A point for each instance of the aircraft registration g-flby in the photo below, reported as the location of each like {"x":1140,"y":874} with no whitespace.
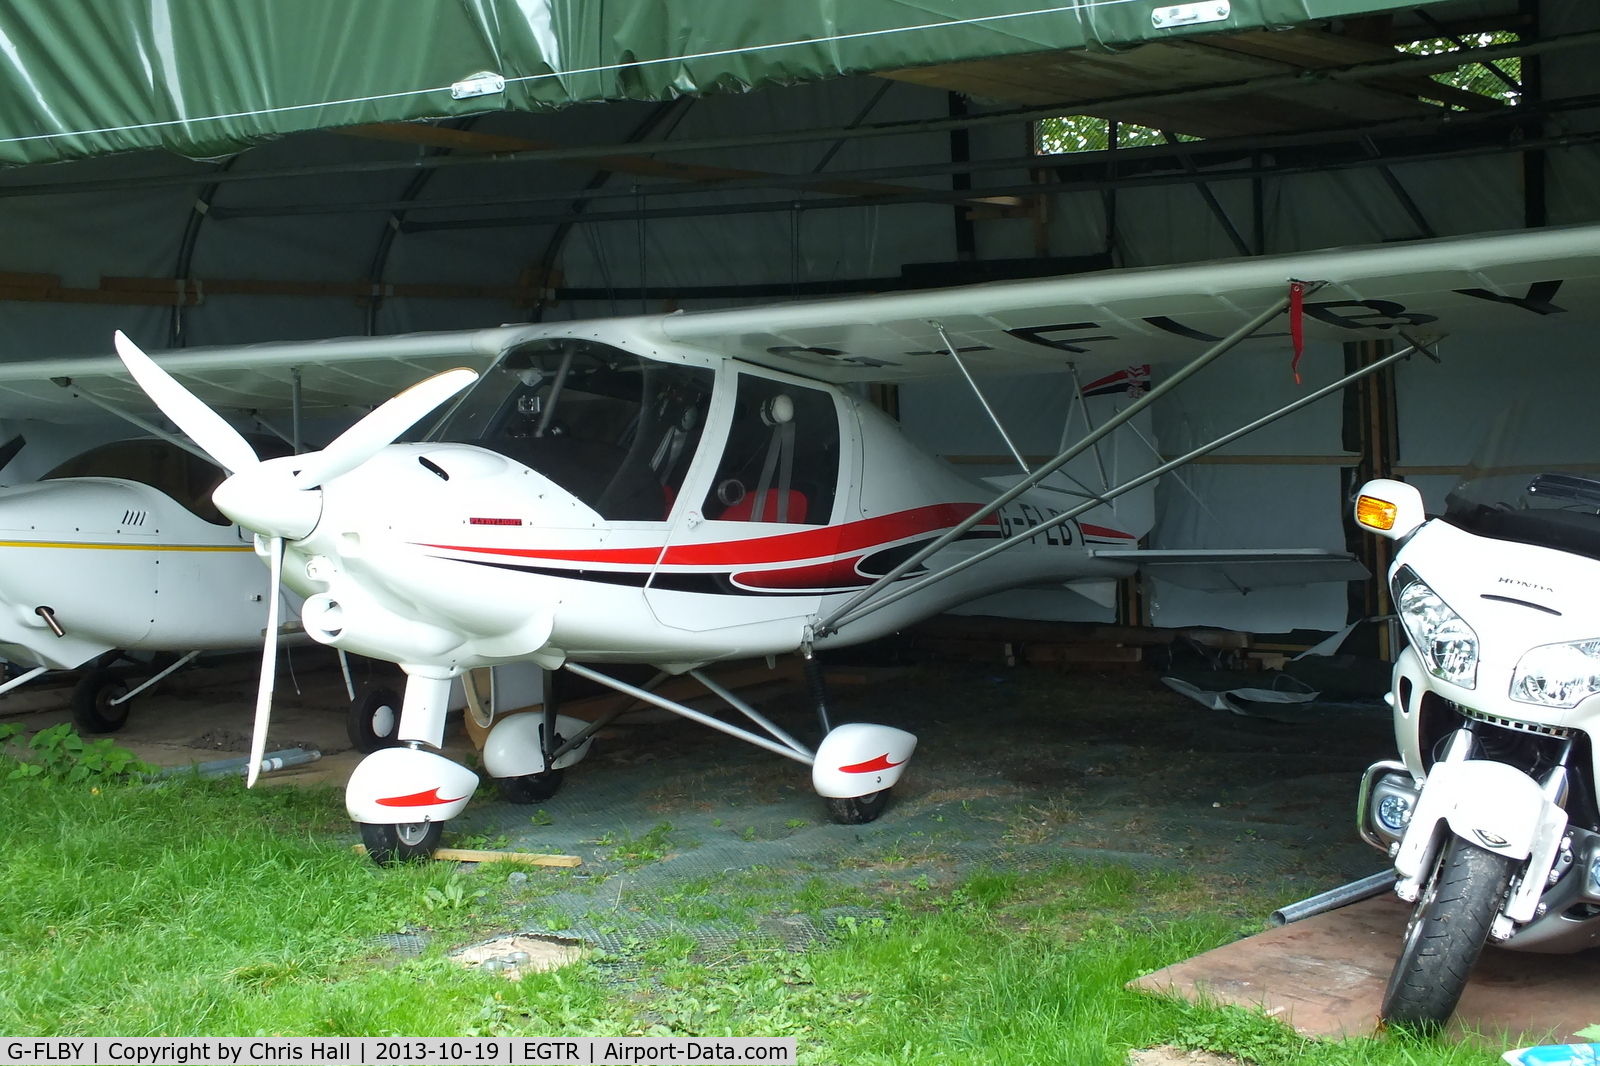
{"x":120,"y":550}
{"x":688,"y":488}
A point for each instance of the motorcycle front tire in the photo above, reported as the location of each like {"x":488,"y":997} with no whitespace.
{"x":1446,"y":935}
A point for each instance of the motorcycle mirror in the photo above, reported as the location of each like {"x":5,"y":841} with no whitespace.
{"x":1389,"y":508}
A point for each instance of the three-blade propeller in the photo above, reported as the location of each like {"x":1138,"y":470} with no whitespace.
{"x":277,"y":499}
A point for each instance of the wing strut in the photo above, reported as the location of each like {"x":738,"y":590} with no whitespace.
{"x":843,"y":618}
{"x":128,"y":416}
{"x":831,"y":623}
{"x":951,"y":348}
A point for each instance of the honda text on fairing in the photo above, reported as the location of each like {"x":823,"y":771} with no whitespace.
{"x":1490,"y":815}
{"x":678,"y":490}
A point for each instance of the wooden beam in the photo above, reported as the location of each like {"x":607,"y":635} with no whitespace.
{"x":190,"y":292}
{"x":422,"y":133}
{"x":478,"y":855}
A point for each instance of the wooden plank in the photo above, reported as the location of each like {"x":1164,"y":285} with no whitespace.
{"x":1031,"y":631}
{"x":533,"y":858}
{"x":474,"y":855}
{"x":1082,"y":653}
{"x":985,"y":651}
{"x":190,"y":292}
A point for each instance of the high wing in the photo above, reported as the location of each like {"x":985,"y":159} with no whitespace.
{"x":346,"y":372}
{"x":1102,"y":322}
{"x":1118,"y":318}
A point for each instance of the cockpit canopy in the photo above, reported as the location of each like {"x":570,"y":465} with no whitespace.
{"x":616,"y":430}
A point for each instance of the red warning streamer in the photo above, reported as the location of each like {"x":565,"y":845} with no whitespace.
{"x":1297,"y":329}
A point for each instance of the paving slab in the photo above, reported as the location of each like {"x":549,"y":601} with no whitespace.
{"x":1326,"y":976}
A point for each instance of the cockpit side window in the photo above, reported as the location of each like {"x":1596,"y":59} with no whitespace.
{"x":163,"y":466}
{"x":781,"y":462}
{"x":616,"y":430}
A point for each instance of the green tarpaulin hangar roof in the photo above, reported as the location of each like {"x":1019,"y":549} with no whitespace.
{"x":204,"y":78}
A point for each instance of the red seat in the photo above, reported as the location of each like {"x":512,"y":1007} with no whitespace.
{"x":741,"y":511}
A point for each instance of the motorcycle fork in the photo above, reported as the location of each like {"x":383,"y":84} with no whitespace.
{"x":1459,"y":749}
{"x":1522,"y":902}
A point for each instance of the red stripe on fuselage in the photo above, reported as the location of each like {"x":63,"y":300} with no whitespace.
{"x":780,"y":548}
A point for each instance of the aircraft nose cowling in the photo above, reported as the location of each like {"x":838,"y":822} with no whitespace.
{"x":264,"y":503}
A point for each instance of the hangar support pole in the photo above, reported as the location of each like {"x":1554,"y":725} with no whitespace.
{"x":961,"y":152}
{"x":1372,"y":429}
{"x":1535,"y":213}
{"x":176,"y":337}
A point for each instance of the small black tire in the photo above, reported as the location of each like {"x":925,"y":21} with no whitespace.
{"x":406,"y":842}
{"x":373,"y":721}
{"x":1445,"y":936}
{"x":530,"y":788}
{"x":92,"y":709}
{"x":858,"y":810}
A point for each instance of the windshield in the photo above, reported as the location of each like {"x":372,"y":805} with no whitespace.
{"x":1535,"y":480}
{"x":616,"y":430}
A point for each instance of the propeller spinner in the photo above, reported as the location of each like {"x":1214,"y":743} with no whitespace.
{"x":281,"y":499}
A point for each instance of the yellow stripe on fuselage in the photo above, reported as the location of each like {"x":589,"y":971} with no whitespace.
{"x":125,"y":547}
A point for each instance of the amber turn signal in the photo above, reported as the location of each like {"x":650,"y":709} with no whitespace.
{"x":1375,"y":513}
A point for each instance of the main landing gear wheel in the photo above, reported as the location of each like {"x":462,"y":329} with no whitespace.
{"x":92,"y":709}
{"x":858,"y":810}
{"x":374,"y":719}
{"x":405,"y":842}
{"x":1446,"y":934}
{"x":530,"y":788}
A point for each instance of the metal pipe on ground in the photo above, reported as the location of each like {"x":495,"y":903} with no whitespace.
{"x":272,"y":760}
{"x":1334,"y":898}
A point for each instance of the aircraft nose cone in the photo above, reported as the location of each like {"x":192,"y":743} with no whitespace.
{"x":263,"y":502}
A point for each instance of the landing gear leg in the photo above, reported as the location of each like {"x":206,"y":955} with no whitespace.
{"x":817,"y":686}
{"x":400,"y":797}
{"x":856,"y":810}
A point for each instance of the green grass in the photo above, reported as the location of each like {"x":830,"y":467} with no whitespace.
{"x":202,"y":909}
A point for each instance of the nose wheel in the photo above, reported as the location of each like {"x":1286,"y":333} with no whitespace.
{"x":401,"y":842}
{"x":373,"y":720}
{"x":858,"y":810}
{"x":92,"y":709}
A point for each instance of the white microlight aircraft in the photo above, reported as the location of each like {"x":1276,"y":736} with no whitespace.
{"x":687,"y":488}
{"x":120,"y":551}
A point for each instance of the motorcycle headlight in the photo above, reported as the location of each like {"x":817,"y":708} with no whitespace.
{"x":1446,"y":643}
{"x":1558,"y":675}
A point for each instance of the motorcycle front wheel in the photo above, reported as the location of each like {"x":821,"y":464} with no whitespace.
{"x":1446,"y":935}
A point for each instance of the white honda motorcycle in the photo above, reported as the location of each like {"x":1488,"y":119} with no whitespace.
{"x":1490,"y":816}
